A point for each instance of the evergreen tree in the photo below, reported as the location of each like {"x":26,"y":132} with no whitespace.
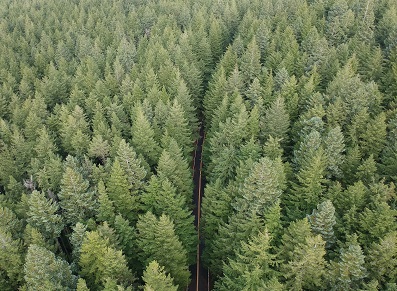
{"x":11,"y":261}
{"x":348,"y":272}
{"x":162,"y":198}
{"x":76,"y":199}
{"x":307,"y":266}
{"x":322,"y":221}
{"x":131,"y":165}
{"x":100,"y":260}
{"x":252,"y":268}
{"x":381,"y":261}
{"x":177,"y":127}
{"x":118,"y":189}
{"x":157,"y":241}
{"x":42,"y":214}
{"x":174,"y":167}
{"x":276,"y":122}
{"x":156,"y":279}
{"x":106,"y":210}
{"x":143,"y":139}
{"x":43,"y":271}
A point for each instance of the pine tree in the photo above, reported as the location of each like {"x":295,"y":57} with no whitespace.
{"x":252,"y":267}
{"x":106,"y":210}
{"x":11,"y":261}
{"x":250,"y":62}
{"x":307,"y":266}
{"x":42,"y":214}
{"x":174,"y":167}
{"x":348,"y":272}
{"x":126,"y":237}
{"x":156,"y":279}
{"x":334,"y":147}
{"x":263,"y":187}
{"x":143,"y":139}
{"x":118,"y":189}
{"x":131,"y":165}
{"x":100,"y":260}
{"x":162,"y":198}
{"x":381,"y":261}
{"x":177,"y":127}
{"x":43,"y":271}
{"x":322,"y":221}
{"x":276,"y":121}
{"x":76,"y":199}
{"x":157,"y":241}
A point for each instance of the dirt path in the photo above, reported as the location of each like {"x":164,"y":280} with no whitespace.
{"x":199,"y":273}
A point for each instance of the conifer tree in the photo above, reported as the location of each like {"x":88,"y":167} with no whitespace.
{"x":131,"y":165}
{"x":100,"y":260}
{"x":76,"y":199}
{"x":157,"y":241}
{"x":174,"y":167}
{"x":348,"y":272}
{"x":307,"y":266}
{"x":106,"y":210}
{"x":381,"y":261}
{"x":118,"y":189}
{"x":43,"y":271}
{"x":162,"y":198}
{"x":276,"y":122}
{"x":177,"y":127}
{"x":156,"y":279}
{"x":143,"y":139}
{"x":322,"y":221}
{"x":42,"y":214}
{"x":252,"y":268}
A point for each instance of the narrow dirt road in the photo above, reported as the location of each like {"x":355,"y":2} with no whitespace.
{"x":199,"y":274}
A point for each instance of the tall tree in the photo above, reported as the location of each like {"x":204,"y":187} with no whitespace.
{"x":118,"y":189}
{"x":43,"y":215}
{"x":157,"y":241}
{"x":75,"y":197}
{"x":155,"y":278}
{"x":43,"y":271}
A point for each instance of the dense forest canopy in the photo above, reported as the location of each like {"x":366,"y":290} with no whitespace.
{"x":100,"y":106}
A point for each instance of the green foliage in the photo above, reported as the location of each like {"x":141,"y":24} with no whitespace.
{"x":347,"y":273}
{"x":118,"y":190}
{"x":44,"y":271}
{"x":252,"y":266}
{"x":157,"y":241}
{"x":76,"y":199}
{"x":156,"y":279}
{"x":100,"y":260}
{"x":42,"y":214}
{"x":322,"y":221}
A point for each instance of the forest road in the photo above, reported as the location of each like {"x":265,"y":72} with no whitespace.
{"x":200,"y":278}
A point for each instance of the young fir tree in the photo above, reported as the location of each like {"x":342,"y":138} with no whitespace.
{"x":118,"y":189}
{"x":143,"y":139}
{"x":100,"y":260}
{"x":253,"y":266}
{"x":173,"y":166}
{"x":43,"y":271}
{"x":322,"y":221}
{"x":131,"y":165}
{"x":349,"y":271}
{"x":381,"y":261}
{"x":76,"y":199}
{"x":43,"y":215}
{"x":160,"y":198}
{"x":156,"y":279}
{"x":306,"y":268}
{"x":157,"y":241}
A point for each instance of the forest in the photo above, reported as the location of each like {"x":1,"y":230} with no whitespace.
{"x":101,"y":103}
